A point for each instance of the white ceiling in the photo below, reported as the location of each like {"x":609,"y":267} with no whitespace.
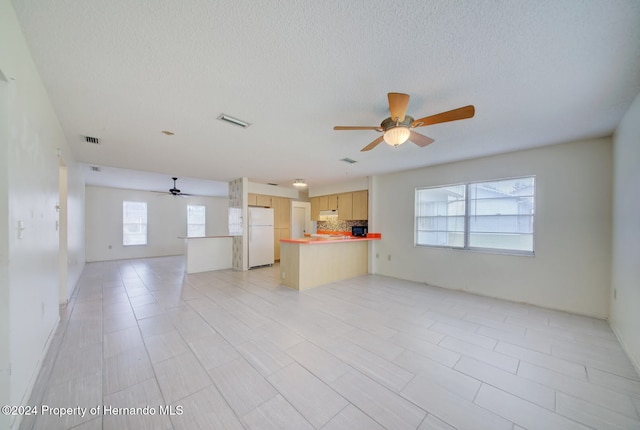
{"x":538,"y":72}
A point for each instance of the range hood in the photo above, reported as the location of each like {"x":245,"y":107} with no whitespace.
{"x":327,"y":215}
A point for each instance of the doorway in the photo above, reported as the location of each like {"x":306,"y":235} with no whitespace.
{"x":300,"y":219}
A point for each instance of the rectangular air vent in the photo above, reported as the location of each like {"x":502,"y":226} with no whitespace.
{"x":234,"y":121}
{"x":93,"y":140}
{"x":348,"y":160}
{"x":95,"y":169}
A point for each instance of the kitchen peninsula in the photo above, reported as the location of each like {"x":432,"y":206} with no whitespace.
{"x":204,"y":254}
{"x":312,"y":261}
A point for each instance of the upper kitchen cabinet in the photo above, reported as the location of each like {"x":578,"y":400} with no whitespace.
{"x":320,"y":203}
{"x":265,"y":201}
{"x":315,"y":208}
{"x":259,"y":200}
{"x":345,"y":206}
{"x":252,"y":199}
{"x":332,"y":202}
{"x":350,"y":206}
{"x":360,"y":205}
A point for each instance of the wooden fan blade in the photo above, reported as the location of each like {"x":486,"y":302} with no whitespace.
{"x":420,"y":139}
{"x":398,"y":103}
{"x":452,"y":115}
{"x":348,"y":127}
{"x":373,"y":144}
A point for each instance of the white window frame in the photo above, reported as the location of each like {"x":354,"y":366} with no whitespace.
{"x":129,"y":224}
{"x":473,"y":218}
{"x":191,"y":224}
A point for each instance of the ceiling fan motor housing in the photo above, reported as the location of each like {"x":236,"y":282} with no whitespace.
{"x":391,"y":123}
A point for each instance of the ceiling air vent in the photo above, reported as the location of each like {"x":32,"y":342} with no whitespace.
{"x":234,"y":121}
{"x":95,"y":169}
{"x":93,"y":140}
{"x":348,"y":160}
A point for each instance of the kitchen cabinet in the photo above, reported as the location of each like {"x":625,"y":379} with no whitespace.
{"x":259,"y":200}
{"x":350,"y":206}
{"x":360,"y":205}
{"x":281,"y":222}
{"x":264,"y":201}
{"x":345,"y":206}
{"x":332,"y":202}
{"x":319,"y":203}
{"x":279,"y":233}
{"x":315,"y":208}
{"x":252,"y":199}
{"x":281,"y":212}
{"x":323,"y":202}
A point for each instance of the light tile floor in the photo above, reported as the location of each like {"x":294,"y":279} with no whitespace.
{"x":234,"y":350}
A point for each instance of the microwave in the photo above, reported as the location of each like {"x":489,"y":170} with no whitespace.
{"x":359,"y":231}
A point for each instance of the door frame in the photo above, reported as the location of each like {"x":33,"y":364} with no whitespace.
{"x":307,"y":215}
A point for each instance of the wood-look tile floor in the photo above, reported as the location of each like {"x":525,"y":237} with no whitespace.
{"x":235,"y":350}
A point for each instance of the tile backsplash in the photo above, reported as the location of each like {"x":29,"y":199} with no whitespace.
{"x":334,"y":224}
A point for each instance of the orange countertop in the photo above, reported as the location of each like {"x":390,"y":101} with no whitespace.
{"x":321,"y":240}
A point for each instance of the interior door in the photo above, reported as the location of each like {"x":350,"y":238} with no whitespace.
{"x":300,"y":219}
{"x":298,"y":225}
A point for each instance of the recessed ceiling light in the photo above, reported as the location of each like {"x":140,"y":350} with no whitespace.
{"x":168,"y":133}
{"x":234,"y":121}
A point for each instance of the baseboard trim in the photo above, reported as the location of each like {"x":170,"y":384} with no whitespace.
{"x":34,"y":375}
{"x":635,"y":361}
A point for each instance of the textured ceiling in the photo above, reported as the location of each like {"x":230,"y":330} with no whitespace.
{"x":538,"y":73}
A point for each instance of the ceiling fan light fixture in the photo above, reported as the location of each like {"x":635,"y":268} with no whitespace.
{"x":299,"y":183}
{"x":397,"y":135}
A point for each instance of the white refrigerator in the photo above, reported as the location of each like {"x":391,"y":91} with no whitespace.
{"x":260,"y":237}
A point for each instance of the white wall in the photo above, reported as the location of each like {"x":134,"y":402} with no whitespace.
{"x":29,"y":194}
{"x":356,"y":184}
{"x":571,"y":267}
{"x":75,"y":227}
{"x":166,"y":221}
{"x":5,"y":353}
{"x":273,"y":190}
{"x":625,"y":315}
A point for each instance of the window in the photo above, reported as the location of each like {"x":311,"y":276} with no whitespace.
{"x":134,"y":223}
{"x":235,"y":222}
{"x":493,"y":215}
{"x":440,"y":214}
{"x":196,"y":220}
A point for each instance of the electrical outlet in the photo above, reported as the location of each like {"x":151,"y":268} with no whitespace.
{"x":389,"y":257}
{"x":284,"y":275}
{"x":615,"y":293}
{"x":377,"y":255}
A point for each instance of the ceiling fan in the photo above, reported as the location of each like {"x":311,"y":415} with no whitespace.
{"x":397,"y":129}
{"x":175,"y":191}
